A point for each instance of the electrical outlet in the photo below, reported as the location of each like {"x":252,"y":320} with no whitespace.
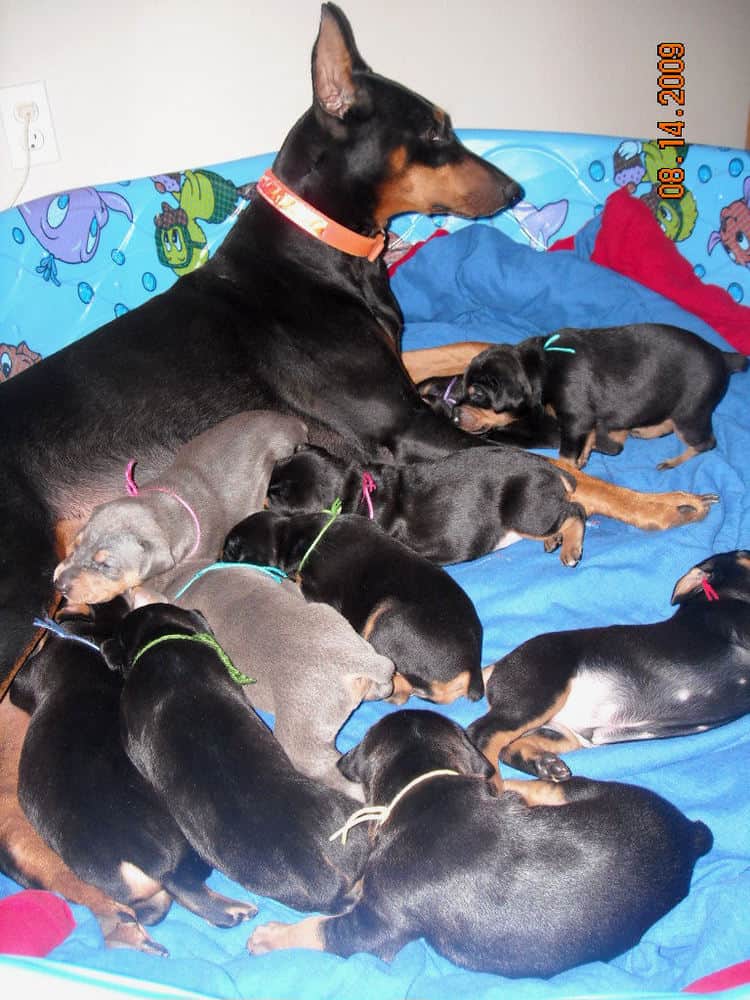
{"x":15,"y":104}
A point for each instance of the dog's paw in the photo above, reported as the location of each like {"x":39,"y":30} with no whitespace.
{"x":553,"y":543}
{"x":268,"y":937}
{"x":695,"y":506}
{"x":551,"y":768}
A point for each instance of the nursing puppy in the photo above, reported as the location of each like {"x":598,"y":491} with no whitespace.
{"x":406,"y":607}
{"x":592,"y":686}
{"x":229,"y":785}
{"x":214,"y":480}
{"x":645,"y":379}
{"x":461,"y":507}
{"x":492,"y":883}
{"x":150,"y":547}
{"x":86,"y":799}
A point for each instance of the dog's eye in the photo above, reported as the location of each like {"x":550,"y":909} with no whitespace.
{"x":477,"y":395}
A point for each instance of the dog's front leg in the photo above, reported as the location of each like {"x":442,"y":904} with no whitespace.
{"x":650,"y":511}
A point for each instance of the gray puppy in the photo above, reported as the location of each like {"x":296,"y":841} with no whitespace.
{"x":311,"y":669}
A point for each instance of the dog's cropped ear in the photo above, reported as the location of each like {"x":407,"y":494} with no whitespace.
{"x":334,"y":60}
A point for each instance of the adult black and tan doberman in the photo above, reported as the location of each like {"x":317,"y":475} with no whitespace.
{"x":293,"y":313}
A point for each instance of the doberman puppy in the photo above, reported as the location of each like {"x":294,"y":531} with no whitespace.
{"x":645,"y":379}
{"x":407,"y":608}
{"x":565,"y":690}
{"x":225,"y":779}
{"x":98,"y":813}
{"x":183,"y":514}
{"x":536,"y":428}
{"x":260,"y":326}
{"x":463,"y":506}
{"x":161,"y":545}
{"x":499,"y":884}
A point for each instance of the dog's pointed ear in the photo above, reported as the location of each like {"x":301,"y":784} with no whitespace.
{"x":334,"y":61}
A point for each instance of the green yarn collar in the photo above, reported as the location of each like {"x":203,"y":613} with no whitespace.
{"x":207,"y":640}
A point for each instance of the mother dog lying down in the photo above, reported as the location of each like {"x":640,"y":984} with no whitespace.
{"x":280,"y":318}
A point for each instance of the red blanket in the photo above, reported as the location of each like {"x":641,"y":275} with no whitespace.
{"x":632,"y":242}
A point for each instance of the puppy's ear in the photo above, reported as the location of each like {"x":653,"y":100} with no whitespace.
{"x":354,"y":765}
{"x":476,"y":761}
{"x":114,"y":654}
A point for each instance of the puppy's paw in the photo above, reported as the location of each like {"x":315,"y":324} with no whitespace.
{"x":307,"y":933}
{"x":551,"y":768}
{"x":553,"y":543}
{"x":268,"y":937}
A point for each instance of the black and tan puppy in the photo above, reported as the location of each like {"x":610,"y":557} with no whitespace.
{"x":529,"y":428}
{"x":625,"y":682}
{"x":499,"y":885}
{"x":188,"y":729}
{"x":645,"y":379}
{"x":408,"y":608}
{"x":461,"y":507}
{"x":83,"y":795}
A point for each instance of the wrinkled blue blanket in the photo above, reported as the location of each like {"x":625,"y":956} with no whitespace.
{"x":479,"y":285}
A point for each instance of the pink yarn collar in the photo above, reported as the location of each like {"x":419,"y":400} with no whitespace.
{"x":134,"y":491}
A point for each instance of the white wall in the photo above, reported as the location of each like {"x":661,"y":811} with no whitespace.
{"x":144,"y":86}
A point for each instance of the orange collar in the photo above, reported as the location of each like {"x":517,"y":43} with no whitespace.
{"x":302,"y":214}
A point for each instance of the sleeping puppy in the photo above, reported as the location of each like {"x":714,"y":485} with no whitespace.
{"x":496,"y":884}
{"x":86,"y":799}
{"x":407,"y":608}
{"x":535,"y":428}
{"x":625,"y":682}
{"x":229,"y":785}
{"x":645,"y":379}
{"x":461,"y":507}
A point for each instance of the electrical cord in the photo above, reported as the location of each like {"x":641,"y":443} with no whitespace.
{"x":28,"y":115}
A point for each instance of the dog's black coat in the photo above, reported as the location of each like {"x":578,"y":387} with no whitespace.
{"x":495,"y":885}
{"x":671,"y":678}
{"x":190,"y":732}
{"x":408,"y":608}
{"x":83,"y":795}
{"x":275,"y":320}
{"x":449,"y":511}
{"x":616,"y":378}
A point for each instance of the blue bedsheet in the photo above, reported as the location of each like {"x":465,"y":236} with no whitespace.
{"x":479,"y":285}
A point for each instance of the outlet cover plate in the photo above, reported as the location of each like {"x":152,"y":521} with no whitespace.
{"x":41,"y":133}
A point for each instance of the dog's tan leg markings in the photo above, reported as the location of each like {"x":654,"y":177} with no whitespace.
{"x":588,"y":447}
{"x":537,"y":793}
{"x":31,"y":860}
{"x":435,"y":362}
{"x":274,"y":936}
{"x":569,"y":539}
{"x":650,"y":511}
{"x":654,"y":431}
{"x":500,"y":740}
{"x":672,"y":463}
